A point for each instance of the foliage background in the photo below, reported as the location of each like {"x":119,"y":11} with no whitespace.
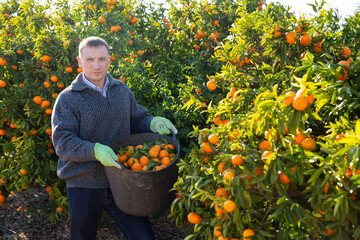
{"x":252,"y":69}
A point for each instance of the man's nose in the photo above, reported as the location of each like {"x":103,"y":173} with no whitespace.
{"x":96,"y":64}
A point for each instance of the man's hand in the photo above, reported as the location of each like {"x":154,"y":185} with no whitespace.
{"x":105,"y":155}
{"x":162,"y":125}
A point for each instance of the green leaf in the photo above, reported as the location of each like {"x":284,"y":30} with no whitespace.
{"x":247,"y":198}
{"x":316,"y":175}
{"x":281,"y":200}
{"x":357,"y":128}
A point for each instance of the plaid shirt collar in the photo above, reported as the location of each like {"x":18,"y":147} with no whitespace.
{"x":96,"y":88}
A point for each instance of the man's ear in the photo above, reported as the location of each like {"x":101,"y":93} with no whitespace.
{"x":79,"y":61}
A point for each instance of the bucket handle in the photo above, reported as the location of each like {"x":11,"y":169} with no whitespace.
{"x":173,"y":134}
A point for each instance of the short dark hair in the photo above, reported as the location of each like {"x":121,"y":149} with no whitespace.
{"x":92,"y":42}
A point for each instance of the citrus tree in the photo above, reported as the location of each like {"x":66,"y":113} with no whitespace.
{"x":37,"y":62}
{"x":279,"y":156}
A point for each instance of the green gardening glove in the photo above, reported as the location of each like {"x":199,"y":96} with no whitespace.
{"x":105,"y":155}
{"x":162,"y":125}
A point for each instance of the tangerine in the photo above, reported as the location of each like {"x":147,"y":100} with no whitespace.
{"x":237,"y":160}
{"x":45,"y":58}
{"x":346,"y":52}
{"x":221,"y":167}
{"x":283,"y":178}
{"x":144,"y":160}
{"x":290,"y":38}
{"x":2,"y":132}
{"x":277,"y":31}
{"x":305,"y":40}
{"x":154,"y":152}
{"x":217,"y":230}
{"x":229,"y":206}
{"x":317,"y":47}
{"x":49,"y":189}
{"x":289,"y":98}
{"x":102,"y":19}
{"x":206,"y":148}
{"x":211,"y":85}
{"x":310,"y":99}
{"x":133,"y":20}
{"x":2,"y":83}
{"x":229,"y":175}
{"x":45,"y":104}
{"x":213,"y":139}
{"x":54,"y":78}
{"x":264,"y":145}
{"x":136,"y":166}
{"x":221,"y":192}
{"x":38,"y":100}
{"x":300,"y":103}
{"x":163,"y":153}
{"x":23,"y":171}
{"x":194,"y":218}
{"x":308,"y":144}
{"x":248,"y":233}
{"x":299,"y":137}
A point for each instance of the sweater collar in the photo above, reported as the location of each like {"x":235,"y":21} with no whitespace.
{"x":79,"y":85}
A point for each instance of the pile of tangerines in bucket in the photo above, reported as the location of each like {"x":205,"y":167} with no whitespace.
{"x":149,"y":156}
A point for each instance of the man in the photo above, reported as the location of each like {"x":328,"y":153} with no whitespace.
{"x":92,"y":112}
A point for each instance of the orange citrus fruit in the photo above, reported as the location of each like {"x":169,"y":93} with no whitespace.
{"x":136,"y":167}
{"x":346,"y":52}
{"x":229,"y":206}
{"x":299,"y":137}
{"x":2,"y":83}
{"x":211,"y":85}
{"x":54,"y":78}
{"x":248,"y":233}
{"x":194,"y":218}
{"x":217,"y":230}
{"x":45,"y":58}
{"x":213,"y":139}
{"x":38,"y":100}
{"x":23,"y":172}
{"x":305,"y":40}
{"x":283,"y":178}
{"x":221,"y":192}
{"x":2,"y":132}
{"x":317,"y":47}
{"x":289,"y":98}
{"x":229,"y":175}
{"x":308,"y":144}
{"x":102,"y":19}
{"x":221,"y":167}
{"x":206,"y":148}
{"x":300,"y":103}
{"x":277,"y":31}
{"x":264,"y":145}
{"x":133,"y":20}
{"x":237,"y":160}
{"x":290,"y":37}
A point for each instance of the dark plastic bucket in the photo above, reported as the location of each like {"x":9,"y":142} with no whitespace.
{"x":143,"y":193}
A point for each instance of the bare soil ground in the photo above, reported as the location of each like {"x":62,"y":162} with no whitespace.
{"x":33,"y":222}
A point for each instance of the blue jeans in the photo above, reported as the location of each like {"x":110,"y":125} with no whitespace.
{"x":86,"y":207}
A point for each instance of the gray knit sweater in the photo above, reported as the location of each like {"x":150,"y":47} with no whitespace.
{"x":81,"y":117}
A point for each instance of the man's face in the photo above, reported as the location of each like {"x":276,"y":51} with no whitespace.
{"x":95,"y":62}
